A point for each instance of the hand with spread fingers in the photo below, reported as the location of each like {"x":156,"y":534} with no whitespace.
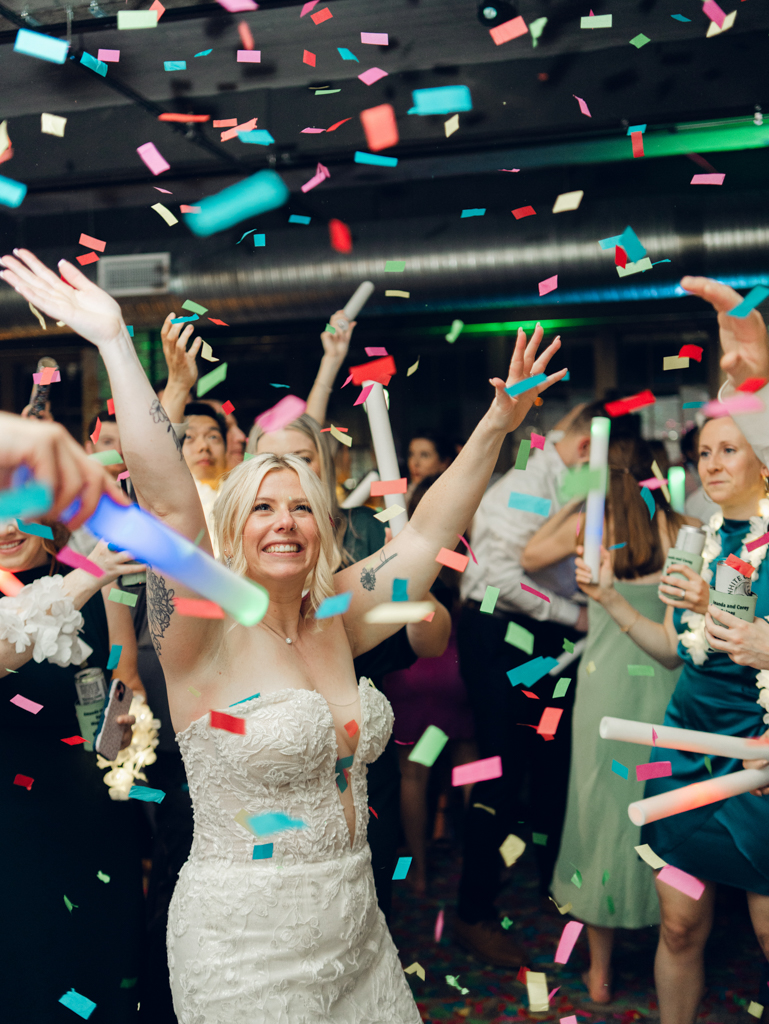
{"x":506,"y":412}
{"x":691,"y":593}
{"x":336,"y":344}
{"x":182,"y":367}
{"x":746,"y":643}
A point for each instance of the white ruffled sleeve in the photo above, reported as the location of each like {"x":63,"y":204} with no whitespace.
{"x":44,"y":615}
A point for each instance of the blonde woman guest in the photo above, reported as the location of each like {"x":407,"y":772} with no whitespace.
{"x":297,"y":935}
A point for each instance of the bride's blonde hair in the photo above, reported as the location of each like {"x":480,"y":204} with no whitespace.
{"x":235,"y":501}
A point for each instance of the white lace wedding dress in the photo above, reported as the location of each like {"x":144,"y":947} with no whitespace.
{"x":298,"y":938}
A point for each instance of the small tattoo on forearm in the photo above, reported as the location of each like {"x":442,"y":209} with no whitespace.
{"x":160,"y":608}
{"x":159,"y":415}
{"x":368,"y":576}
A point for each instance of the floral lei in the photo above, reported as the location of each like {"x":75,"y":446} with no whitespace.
{"x":694,"y":638}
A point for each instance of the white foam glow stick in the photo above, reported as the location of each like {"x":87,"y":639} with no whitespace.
{"x":600,"y":429}
{"x":568,"y":657}
{"x":384,"y":448}
{"x":358,"y":300}
{"x":360,"y":495}
{"x":743,"y":748}
{"x":698,"y":794}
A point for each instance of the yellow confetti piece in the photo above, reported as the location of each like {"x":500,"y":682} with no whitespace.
{"x":658,"y":473}
{"x":452,"y":125}
{"x":413,"y":369}
{"x":417,"y":969}
{"x":648,"y":855}
{"x":511,"y":849}
{"x":561,"y":910}
{"x":675,"y":363}
{"x":590,"y":667}
{"x":483,"y":807}
{"x":165,"y":213}
{"x":568,"y":201}
{"x":39,"y":316}
{"x":536,"y":986}
{"x":394,"y":293}
{"x":755,"y":1009}
{"x":343,"y":438}
{"x":193,"y":691}
{"x":389,"y":513}
{"x":208,"y":353}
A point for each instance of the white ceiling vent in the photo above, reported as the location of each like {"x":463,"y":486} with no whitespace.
{"x":145,"y":274}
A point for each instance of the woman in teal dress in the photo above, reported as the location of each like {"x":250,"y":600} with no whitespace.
{"x":724,"y":842}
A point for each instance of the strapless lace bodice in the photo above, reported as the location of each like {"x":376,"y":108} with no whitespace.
{"x":297,"y":937}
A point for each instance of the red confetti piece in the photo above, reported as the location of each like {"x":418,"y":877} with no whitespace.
{"x":189,"y":209}
{"x":338,"y":124}
{"x":246,"y":37}
{"x":351,"y":727}
{"x":548,"y":723}
{"x":230,"y":122}
{"x":227,"y":407}
{"x":375,"y":370}
{"x":691,"y":352}
{"x":221,"y":323}
{"x":382,"y":487}
{"x":111,"y":406}
{"x":229,"y":723}
{"x":96,"y":431}
{"x":380,"y":127}
{"x":23,"y":780}
{"x":198,"y":609}
{"x":742,"y":567}
{"x":452,"y":559}
{"x":524,"y":211}
{"x":186,"y":118}
{"x":373,"y":811}
{"x":89,"y":257}
{"x":73,"y":741}
{"x":340,"y":236}
{"x":620,"y":257}
{"x":626,"y":405}
{"x":530,"y":694}
{"x":752,"y":384}
{"x":92,"y":243}
{"x":508,"y":30}
{"x":637,"y":139}
{"x":522,"y":972}
{"x":320,"y":16}
{"x":308,"y":58}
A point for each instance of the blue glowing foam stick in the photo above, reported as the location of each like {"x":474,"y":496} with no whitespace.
{"x":261,"y":192}
{"x":150,"y":541}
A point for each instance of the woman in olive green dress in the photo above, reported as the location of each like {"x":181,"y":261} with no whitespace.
{"x":598,"y":871}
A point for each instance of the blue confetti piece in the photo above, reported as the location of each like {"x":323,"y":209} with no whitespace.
{"x":400,"y":590}
{"x":754,"y":298}
{"x":11,"y":192}
{"x":114,"y":655}
{"x":147,"y":794}
{"x":245,"y":235}
{"x":337,"y":604}
{"x":286,"y":386}
{"x":566,"y":376}
{"x":479,"y":212}
{"x":259,"y":193}
{"x":531,"y":671}
{"x":259,"y":137}
{"x":679,"y":17}
{"x":35,"y":529}
{"x":636,"y":128}
{"x":130,"y":329}
{"x":30,"y":500}
{"x":446,"y":99}
{"x":95,"y":65}
{"x":266,"y":824}
{"x":81,"y":1005}
{"x":525,"y":385}
{"x":252,"y":697}
{"x":529,"y":503}
{"x":619,"y":769}
{"x":297,"y":218}
{"x":263,"y":852}
{"x":346,"y":54}
{"x":616,"y":547}
{"x":174,"y":65}
{"x":610,"y":243}
{"x":631,"y":243}
{"x":260,"y":241}
{"x":375,"y":160}
{"x":693,"y":405}
{"x":401,"y":868}
{"x":203,"y":53}
{"x":646,"y":494}
{"x":184,"y":319}
{"x":35,"y":44}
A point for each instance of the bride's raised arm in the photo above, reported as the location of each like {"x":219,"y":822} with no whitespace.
{"x":447,"y":509}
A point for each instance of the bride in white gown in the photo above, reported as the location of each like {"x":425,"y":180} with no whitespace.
{"x":292,"y":934}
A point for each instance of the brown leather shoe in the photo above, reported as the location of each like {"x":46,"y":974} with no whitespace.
{"x":489,"y":943}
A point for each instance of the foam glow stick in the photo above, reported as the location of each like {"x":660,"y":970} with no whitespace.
{"x":741,"y":748}
{"x":151,"y":541}
{"x":358,"y":299}
{"x":361,"y":493}
{"x":384,"y":446}
{"x":677,"y":486}
{"x":698,"y":794}
{"x":596,"y":497}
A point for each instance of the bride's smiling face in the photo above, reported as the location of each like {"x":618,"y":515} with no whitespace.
{"x":281,"y":539}
{"x":20,"y":551}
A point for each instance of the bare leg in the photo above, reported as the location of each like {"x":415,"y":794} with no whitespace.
{"x":598,"y":978}
{"x":759,"y":915}
{"x":414,"y":778}
{"x":464,"y":752}
{"x":679,"y":971}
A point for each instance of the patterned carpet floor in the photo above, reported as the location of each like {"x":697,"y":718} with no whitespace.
{"x":496,"y":997}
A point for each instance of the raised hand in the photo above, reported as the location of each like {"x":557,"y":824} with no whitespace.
{"x":182,"y":368}
{"x":507,"y":413}
{"x":584,"y":575}
{"x":335,"y":345}
{"x":76,"y":301}
{"x":113,"y":563}
{"x":744,"y":341}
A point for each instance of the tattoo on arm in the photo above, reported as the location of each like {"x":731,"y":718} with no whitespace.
{"x":368,"y":576}
{"x":159,"y":415}
{"x":160,"y":608}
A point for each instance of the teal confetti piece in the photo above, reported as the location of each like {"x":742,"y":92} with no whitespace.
{"x":130,"y":329}
{"x":616,"y":547}
{"x":640,"y":670}
{"x":693,"y":405}
{"x":754,"y":298}
{"x":114,"y":655}
{"x":679,"y":17}
{"x":522,"y":458}
{"x":209,"y":380}
{"x":285,"y":386}
{"x":260,"y":241}
{"x":185,"y":319}
{"x":489,"y":600}
{"x":337,"y":604}
{"x":258,"y":137}
{"x":147,"y":794}
{"x":401,"y":868}
{"x":539,"y":838}
{"x":519,"y":637}
{"x":531,"y":671}
{"x":32,"y":499}
{"x":193,"y":307}
{"x":203,"y":53}
{"x":374,"y":159}
{"x":266,"y":824}
{"x":636,"y":128}
{"x":619,"y":769}
{"x":346,"y":54}
{"x":81,"y":1005}
{"x":174,"y":65}
{"x":252,"y":697}
{"x":561,"y":687}
{"x":297,"y":218}
{"x":36,"y":44}
{"x":605,"y":878}
{"x":341,"y":764}
{"x":95,"y":65}
{"x":245,"y":235}
{"x":631,"y":243}
{"x":400,"y":590}
{"x":529,"y":503}
{"x":446,"y":99}
{"x":263,"y":852}
{"x":477,"y":212}
{"x":35,"y":529}
{"x":11,"y":192}
{"x":526,"y":385}
{"x":395,"y":266}
{"x":576,"y":879}
{"x":257,"y":194}
{"x":646,"y":494}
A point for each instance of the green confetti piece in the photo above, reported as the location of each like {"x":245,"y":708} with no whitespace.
{"x":605,"y":878}
{"x":522,"y":458}
{"x":129,"y":982}
{"x":536,"y":28}
{"x":395,"y":266}
{"x":102,"y":877}
{"x":640,"y":670}
{"x":109,"y":458}
{"x":610,"y":904}
{"x":561,"y":687}
{"x":489,"y":600}
{"x":506,"y":923}
{"x":568,"y":645}
{"x":456,"y":330}
{"x":519,"y":637}
{"x":248,"y":455}
{"x":69,"y":904}
{"x":202,"y":533}
{"x":210,"y":380}
{"x":708,"y":765}
{"x":576,"y":879}
{"x":639,"y":40}
{"x":539,"y":838}
{"x":330,"y":329}
{"x":428,"y":746}
{"x":193,"y":307}
{"x":123,"y":597}
{"x":577,"y":482}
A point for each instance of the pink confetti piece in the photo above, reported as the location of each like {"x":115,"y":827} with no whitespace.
{"x":452,"y":559}
{"x":312,"y":131}
{"x":548,"y":723}
{"x":653,"y":770}
{"x":569,"y":936}
{"x":477,"y":771}
{"x":236,"y":6}
{"x":347,"y":381}
{"x":714,"y":12}
{"x":687,"y":884}
{"x":764,"y":539}
{"x":363,"y":395}
{"x":152,"y":158}
{"x":653,"y":483}
{"x":247,"y":126}
{"x":25,"y":704}
{"x":281,"y":414}
{"x":708,"y":179}
{"x":741,"y":402}
{"x":308,"y":7}
{"x":583,"y":106}
{"x":372,"y":75}
{"x":375,"y":38}
{"x":167,"y":191}
{"x":249,"y":57}
{"x":537,"y":441}
{"x":438,"y":931}
{"x":551,"y":994}
{"x":568,"y":1020}
{"x":376,"y":350}
{"x":109,"y":56}
{"x":189,"y":209}
{"x":510,"y":170}
{"x":548,"y":285}
{"x":91,"y":242}
{"x":123,"y":476}
{"x":654,"y":736}
{"x":320,"y":175}
{"x":536,"y":593}
{"x":78,"y":561}
{"x":472,"y":553}
{"x":48,"y":375}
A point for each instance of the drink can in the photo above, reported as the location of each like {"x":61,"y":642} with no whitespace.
{"x":729,"y":581}
{"x":690,"y":538}
{"x":90,"y":686}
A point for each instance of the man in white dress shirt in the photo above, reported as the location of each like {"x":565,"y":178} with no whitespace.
{"x":535,"y":772}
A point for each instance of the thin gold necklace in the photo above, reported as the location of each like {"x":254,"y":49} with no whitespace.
{"x":267,"y":626}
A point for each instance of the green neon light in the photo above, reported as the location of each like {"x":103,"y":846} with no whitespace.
{"x":509,"y":326}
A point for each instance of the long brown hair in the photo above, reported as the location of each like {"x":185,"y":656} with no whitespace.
{"x":630,"y":461}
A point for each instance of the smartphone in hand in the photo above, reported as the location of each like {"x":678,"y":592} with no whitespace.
{"x":108,"y":733}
